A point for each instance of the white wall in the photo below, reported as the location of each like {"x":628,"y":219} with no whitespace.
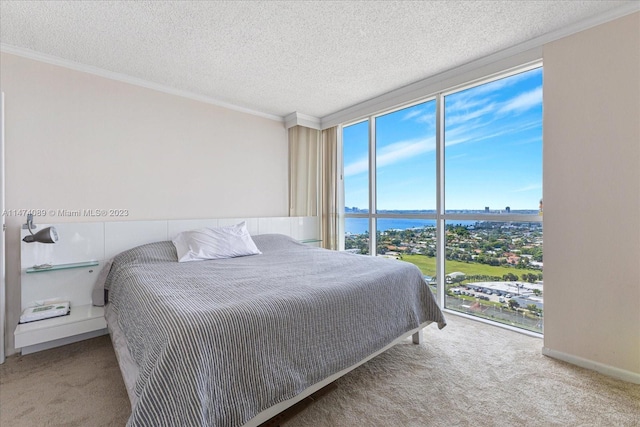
{"x":592,"y":197}
{"x":78,"y":141}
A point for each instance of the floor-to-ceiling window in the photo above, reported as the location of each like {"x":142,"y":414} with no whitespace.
{"x":453,"y":184}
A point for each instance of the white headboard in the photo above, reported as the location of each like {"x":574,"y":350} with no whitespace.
{"x":99,"y":241}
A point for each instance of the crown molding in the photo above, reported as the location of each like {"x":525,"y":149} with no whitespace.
{"x":76,"y":66}
{"x":514,"y":56}
{"x":299,"y":119}
{"x":504,"y":60}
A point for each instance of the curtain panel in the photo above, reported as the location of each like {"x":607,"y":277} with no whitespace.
{"x":329,"y":182}
{"x":304,"y":163}
{"x":313,"y":179}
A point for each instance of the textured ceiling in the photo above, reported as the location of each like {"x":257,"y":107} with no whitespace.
{"x":277,"y":57}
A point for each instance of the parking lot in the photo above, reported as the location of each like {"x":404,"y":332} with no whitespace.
{"x":483,"y":294}
{"x":523,"y":292}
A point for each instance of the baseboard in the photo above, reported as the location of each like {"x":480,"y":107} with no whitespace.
{"x":608,"y":370}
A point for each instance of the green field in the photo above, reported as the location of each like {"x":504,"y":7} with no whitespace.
{"x":428,"y":266}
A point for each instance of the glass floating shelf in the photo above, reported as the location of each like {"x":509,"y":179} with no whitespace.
{"x":310,"y":240}
{"x":48,"y":267}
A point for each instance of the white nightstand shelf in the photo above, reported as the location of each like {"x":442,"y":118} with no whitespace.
{"x":57,"y":267}
{"x":312,"y":242}
{"x":84,"y":321}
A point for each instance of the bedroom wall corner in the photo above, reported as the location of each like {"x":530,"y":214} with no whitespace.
{"x":78,"y":144}
{"x":592,"y":197}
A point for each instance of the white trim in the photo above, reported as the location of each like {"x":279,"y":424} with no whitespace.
{"x":299,"y":119}
{"x":515,"y":56}
{"x":90,"y":69}
{"x":608,"y":370}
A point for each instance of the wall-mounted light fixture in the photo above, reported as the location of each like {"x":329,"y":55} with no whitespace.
{"x":46,"y":235}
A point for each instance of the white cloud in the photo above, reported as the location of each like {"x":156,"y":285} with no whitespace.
{"x":412,"y":114}
{"x":357,"y":167}
{"x":391,"y":154}
{"x":523,"y":102}
{"x":466,"y":103}
{"x":479,"y":131}
{"x":454,"y":119}
{"x":457,"y":156}
{"x":530,"y":140}
{"x":421,"y":116}
{"x":398,"y":151}
{"x":517,"y":104}
{"x":527,"y":188}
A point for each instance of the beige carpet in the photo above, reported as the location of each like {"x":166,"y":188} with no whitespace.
{"x":468,"y":374}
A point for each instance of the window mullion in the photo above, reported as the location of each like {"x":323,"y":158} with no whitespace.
{"x":373,"y":244}
{"x":340,"y":189}
{"x":440,"y":195}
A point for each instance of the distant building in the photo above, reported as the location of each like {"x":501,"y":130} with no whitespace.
{"x":456,"y":275}
{"x":525,"y":300}
{"x":508,"y":288}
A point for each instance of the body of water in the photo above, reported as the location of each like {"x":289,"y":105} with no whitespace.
{"x":361,"y":225}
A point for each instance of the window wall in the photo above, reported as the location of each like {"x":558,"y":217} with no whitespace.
{"x":453,"y":184}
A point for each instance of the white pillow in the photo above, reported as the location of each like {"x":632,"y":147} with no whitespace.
{"x":215,"y":243}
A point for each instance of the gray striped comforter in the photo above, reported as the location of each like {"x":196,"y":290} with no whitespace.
{"x":216,"y":342}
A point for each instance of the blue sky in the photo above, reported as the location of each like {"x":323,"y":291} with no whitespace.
{"x":493,"y":150}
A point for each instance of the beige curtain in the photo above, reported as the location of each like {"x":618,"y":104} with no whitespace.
{"x":314,"y":180}
{"x":329,"y":181}
{"x":304,"y":163}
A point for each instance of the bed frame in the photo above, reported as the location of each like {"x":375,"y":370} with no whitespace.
{"x":130,"y":371}
{"x":91,"y":242}
{"x":271,"y":412}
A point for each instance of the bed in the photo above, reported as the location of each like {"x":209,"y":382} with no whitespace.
{"x":230,"y":342}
